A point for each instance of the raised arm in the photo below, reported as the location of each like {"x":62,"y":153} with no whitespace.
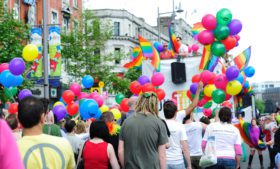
{"x":194,"y":103}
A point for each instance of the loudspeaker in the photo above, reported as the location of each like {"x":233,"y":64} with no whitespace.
{"x":178,"y":72}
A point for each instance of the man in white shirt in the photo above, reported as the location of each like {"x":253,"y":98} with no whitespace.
{"x":178,"y":138}
{"x":183,"y":50}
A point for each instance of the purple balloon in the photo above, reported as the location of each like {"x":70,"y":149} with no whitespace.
{"x":235,"y":26}
{"x":24,"y":93}
{"x":59,"y":111}
{"x":193,"y":88}
{"x":17,"y":66}
{"x":232,"y":73}
{"x":160,"y":48}
{"x":143,"y":80}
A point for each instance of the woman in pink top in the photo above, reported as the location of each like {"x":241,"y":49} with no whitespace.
{"x":166,"y":54}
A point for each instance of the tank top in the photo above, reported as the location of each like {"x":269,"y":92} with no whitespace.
{"x":95,"y":155}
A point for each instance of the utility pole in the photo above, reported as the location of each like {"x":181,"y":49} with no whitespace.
{"x":45,"y":50}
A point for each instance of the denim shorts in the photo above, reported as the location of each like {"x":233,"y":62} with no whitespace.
{"x":176,"y":166}
{"x":224,"y":164}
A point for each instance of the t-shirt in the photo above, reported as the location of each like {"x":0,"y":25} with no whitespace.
{"x":183,"y":48}
{"x":52,"y":129}
{"x":174,"y":152}
{"x":165,"y":55}
{"x":180,"y":116}
{"x":9,"y":154}
{"x":44,"y":151}
{"x":75,"y":142}
{"x":142,"y":135}
{"x":194,"y":131}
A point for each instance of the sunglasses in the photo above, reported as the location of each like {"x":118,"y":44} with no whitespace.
{"x":165,"y":46}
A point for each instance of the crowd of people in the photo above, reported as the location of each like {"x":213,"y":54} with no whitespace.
{"x":31,"y":140}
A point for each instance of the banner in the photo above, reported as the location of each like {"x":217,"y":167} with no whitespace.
{"x":36,"y":39}
{"x":55,"y":51}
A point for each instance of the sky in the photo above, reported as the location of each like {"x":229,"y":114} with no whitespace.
{"x":260,"y":20}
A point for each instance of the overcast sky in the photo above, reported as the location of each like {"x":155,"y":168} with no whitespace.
{"x":260,"y":19}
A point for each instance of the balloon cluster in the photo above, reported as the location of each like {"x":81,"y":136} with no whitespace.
{"x":193,"y":48}
{"x":221,"y":32}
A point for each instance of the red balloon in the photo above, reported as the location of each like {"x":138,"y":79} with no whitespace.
{"x":227,"y":104}
{"x":189,"y":94}
{"x":196,"y":78}
{"x":148,"y":87}
{"x":213,"y":76}
{"x":124,"y":105}
{"x":68,"y":96}
{"x":135,"y":87}
{"x":228,"y":97}
{"x":13,"y":109}
{"x":160,"y":94}
{"x":72,"y":108}
{"x":229,"y":42}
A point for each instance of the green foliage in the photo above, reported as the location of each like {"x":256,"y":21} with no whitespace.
{"x":260,"y":105}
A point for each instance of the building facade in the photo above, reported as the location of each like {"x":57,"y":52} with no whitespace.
{"x":260,"y":88}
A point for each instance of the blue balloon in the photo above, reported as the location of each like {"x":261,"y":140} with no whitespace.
{"x":6,"y":78}
{"x":87,"y":81}
{"x":246,"y":85}
{"x":98,"y":114}
{"x":61,"y":100}
{"x":240,"y":78}
{"x":18,"y":81}
{"x":89,"y":109}
{"x":249,"y":71}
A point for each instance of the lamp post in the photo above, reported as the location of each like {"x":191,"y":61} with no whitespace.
{"x":46,"y":57}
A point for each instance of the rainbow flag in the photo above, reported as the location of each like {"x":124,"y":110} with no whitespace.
{"x":156,"y":60}
{"x":173,"y":41}
{"x":204,"y":59}
{"x":138,"y":58}
{"x":146,"y":46}
{"x":223,"y":67}
{"x":197,"y":27}
{"x":213,"y":62}
{"x":242,"y":60}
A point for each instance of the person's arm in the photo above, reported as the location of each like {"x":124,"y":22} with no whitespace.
{"x":194,"y":103}
{"x":162,"y":156}
{"x":121,"y":152}
{"x":238,"y":149}
{"x":238,"y":159}
{"x":112,"y":157}
{"x":186,"y":152}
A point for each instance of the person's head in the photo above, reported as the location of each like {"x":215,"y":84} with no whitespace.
{"x":46,"y":103}
{"x":131,"y":102}
{"x":31,"y":112}
{"x":147,"y":102}
{"x":12,"y":121}
{"x":70,"y":126}
{"x":107,"y":116}
{"x":267,"y":119}
{"x":254,"y":121}
{"x":80,"y":127}
{"x":272,"y":116}
{"x":179,"y":39}
{"x":204,"y":120}
{"x":169,"y":109}
{"x":225,"y":115}
{"x":188,"y":117}
{"x":99,"y":129}
{"x":165,"y":46}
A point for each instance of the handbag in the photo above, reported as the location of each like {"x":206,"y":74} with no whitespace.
{"x":209,"y":157}
{"x":80,"y":161}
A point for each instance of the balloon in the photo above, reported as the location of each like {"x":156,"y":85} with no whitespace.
{"x":119,"y":98}
{"x":160,"y":94}
{"x":207,"y":112}
{"x":224,"y":16}
{"x":124,"y":105}
{"x":196,"y":78}
{"x":98,"y":99}
{"x":227,"y":104}
{"x":206,"y":76}
{"x":189,"y":94}
{"x":202,"y":102}
{"x":17,"y":66}
{"x":232,"y":73}
{"x":249,"y":71}
{"x":215,"y":111}
{"x":72,"y":108}
{"x":206,"y":37}
{"x":195,"y":47}
{"x":24,"y":93}
{"x":158,"y":46}
{"x":228,"y":96}
{"x":148,"y":87}
{"x":30,"y":52}
{"x":58,"y":103}
{"x":240,"y":78}
{"x":233,"y":87}
{"x":218,"y":96}
{"x":83,"y":95}
{"x":221,"y":82}
{"x":88,"y":108}
{"x":193,"y":88}
{"x":246,"y":85}
{"x":135,"y":87}
{"x":7,"y":78}
{"x":208,"y":90}
{"x":13,"y":108}
{"x":208,"y":104}
{"x":18,"y":80}
{"x":10,"y":92}
{"x":209,"y":22}
{"x":75,"y":88}
{"x":68,"y":96}
{"x":4,"y":66}
{"x":218,"y":49}
{"x":221,"y":32}
{"x":235,"y":26}
{"x":143,"y":80}
{"x":229,"y":42}
{"x":189,"y":49}
{"x":104,"y":108}
{"x":117,"y":114}
{"x":87,"y":81}
{"x":59,"y":111}
{"x":157,"y":79}
{"x":237,"y":37}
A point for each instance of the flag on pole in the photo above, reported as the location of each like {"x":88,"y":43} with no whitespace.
{"x":242,"y":60}
{"x":204,"y":59}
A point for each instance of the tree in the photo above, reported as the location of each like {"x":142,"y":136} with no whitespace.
{"x":260,"y":105}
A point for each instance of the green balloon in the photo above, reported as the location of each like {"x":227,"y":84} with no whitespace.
{"x":218,"y":96}
{"x":224,"y":16}
{"x":208,"y":104}
{"x":218,"y":49}
{"x":221,"y":32}
{"x":10,"y":92}
{"x":201,"y":95}
{"x":119,"y":98}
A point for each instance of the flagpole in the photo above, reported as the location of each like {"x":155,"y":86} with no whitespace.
{"x":45,"y":49}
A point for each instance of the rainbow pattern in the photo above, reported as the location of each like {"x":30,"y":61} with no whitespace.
{"x":213,"y":62}
{"x":137,"y":58}
{"x":146,"y":46}
{"x":156,"y":60}
{"x":204,"y":59}
{"x":173,"y":41}
{"x":197,"y":27}
{"x":242,"y":60}
{"x":114,"y":128}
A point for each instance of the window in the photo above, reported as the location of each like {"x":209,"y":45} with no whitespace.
{"x":129,"y":30}
{"x":117,"y":55}
{"x":75,"y":3}
{"x":32,"y":15}
{"x":65,"y":24}
{"x":54,"y":18}
{"x":116,"y":28}
{"x":16,"y":10}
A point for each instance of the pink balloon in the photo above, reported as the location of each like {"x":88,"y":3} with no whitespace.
{"x":221,"y":82}
{"x":75,"y":88}
{"x":202,"y":102}
{"x":237,"y":37}
{"x":174,"y":101}
{"x":228,"y":97}
{"x":209,"y":22}
{"x":94,"y":94}
{"x":207,"y":112}
{"x":189,"y":49}
{"x":98,"y":99}
{"x":157,"y":79}
{"x":206,"y":76}
{"x":4,"y":66}
{"x":83,"y":95}
{"x":195,"y":47}
{"x":206,"y":37}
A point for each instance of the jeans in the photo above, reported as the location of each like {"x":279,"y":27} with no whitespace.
{"x":195,"y":162}
{"x":277,"y":160}
{"x":176,"y":166}
{"x":224,"y":164}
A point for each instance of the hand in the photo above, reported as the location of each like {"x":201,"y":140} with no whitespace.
{"x":200,"y":86}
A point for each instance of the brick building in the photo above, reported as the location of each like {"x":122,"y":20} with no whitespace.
{"x":62,"y":12}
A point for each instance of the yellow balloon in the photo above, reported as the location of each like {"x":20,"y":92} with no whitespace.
{"x":30,"y":52}
{"x":101,"y":84}
{"x":233,"y":87}
{"x":104,"y":108}
{"x":117,"y":114}
{"x":208,"y":90}
{"x":58,"y":103}
{"x":208,"y":47}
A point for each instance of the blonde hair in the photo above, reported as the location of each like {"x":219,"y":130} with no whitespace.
{"x":80,"y":127}
{"x":147,"y":103}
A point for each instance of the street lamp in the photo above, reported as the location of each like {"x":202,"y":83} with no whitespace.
{"x":173,"y":15}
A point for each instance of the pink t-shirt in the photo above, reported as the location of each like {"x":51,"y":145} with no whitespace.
{"x":9,"y":154}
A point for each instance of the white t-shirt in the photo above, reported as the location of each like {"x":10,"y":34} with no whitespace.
{"x":183,"y":48}
{"x":174,"y":153}
{"x":75,"y":142}
{"x":180,"y":116}
{"x":226,"y":136}
{"x":194,"y":131}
